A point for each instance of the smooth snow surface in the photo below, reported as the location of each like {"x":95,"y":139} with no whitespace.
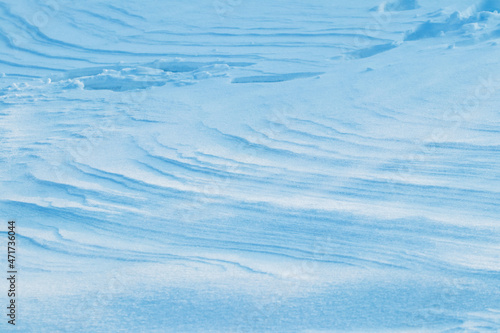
{"x":252,"y":166}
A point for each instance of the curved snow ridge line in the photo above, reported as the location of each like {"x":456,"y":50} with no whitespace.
{"x":367,"y":230}
{"x":191,"y":169}
{"x":71,"y":248}
{"x":306,"y":185}
{"x":411,"y":261}
{"x":274,"y":35}
{"x":144,"y":185}
{"x":107,"y":19}
{"x":272,"y":155}
{"x":329,"y":131}
{"x":156,"y":256}
{"x":321,"y":143}
{"x":388,"y":257}
{"x":74,"y":251}
{"x":251,"y":167}
{"x":226,"y":179}
{"x":81,"y":250}
{"x":25,"y":28}
{"x":332,"y":192}
{"x":21,"y":65}
{"x":276,"y":77}
{"x":119,"y":253}
{"x":244,"y":165}
{"x":231,"y":191}
{"x":9,"y":44}
{"x":125,"y":12}
{"x":213,"y":241}
{"x":126,"y":226}
{"x":336,"y":259}
{"x":469,"y":147}
{"x":371,"y":51}
{"x":273,"y":159}
{"x":156,"y":185}
{"x":65,"y":190}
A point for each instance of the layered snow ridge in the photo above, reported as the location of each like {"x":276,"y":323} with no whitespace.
{"x":252,"y":166}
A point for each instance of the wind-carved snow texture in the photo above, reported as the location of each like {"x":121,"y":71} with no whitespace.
{"x":399,"y":5}
{"x":251,"y":166}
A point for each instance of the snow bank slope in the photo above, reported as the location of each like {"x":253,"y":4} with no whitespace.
{"x":278,"y":166}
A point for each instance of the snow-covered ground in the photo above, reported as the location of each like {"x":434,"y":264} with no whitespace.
{"x":252,"y":166}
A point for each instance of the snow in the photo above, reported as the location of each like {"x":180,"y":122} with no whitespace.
{"x":251,"y":166}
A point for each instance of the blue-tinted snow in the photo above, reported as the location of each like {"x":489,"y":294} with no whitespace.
{"x":252,"y":166}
